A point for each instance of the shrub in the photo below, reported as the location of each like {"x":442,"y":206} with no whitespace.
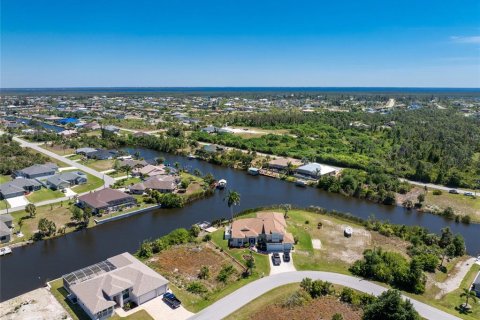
{"x":204,"y":273}
{"x":296,"y":299}
{"x":225,"y":273}
{"x":207,"y":237}
{"x":197,"y":287}
{"x":437,"y":192}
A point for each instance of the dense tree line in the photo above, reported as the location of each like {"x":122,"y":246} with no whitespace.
{"x":430,"y":145}
{"x":13,"y":157}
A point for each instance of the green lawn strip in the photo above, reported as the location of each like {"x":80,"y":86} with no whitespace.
{"x":44,"y":194}
{"x":119,"y":213}
{"x":271,"y":297}
{"x":460,"y":203}
{"x":5,"y":178}
{"x":139,"y":315}
{"x":59,"y":163}
{"x":4,"y":205}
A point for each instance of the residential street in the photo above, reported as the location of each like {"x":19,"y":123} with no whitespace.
{"x":244,"y":295}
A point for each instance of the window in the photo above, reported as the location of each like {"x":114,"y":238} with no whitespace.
{"x":3,"y":238}
{"x":126,"y":294}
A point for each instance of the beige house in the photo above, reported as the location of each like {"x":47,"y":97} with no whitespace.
{"x":267,"y":231}
{"x":102,"y":287}
{"x":281,"y":164}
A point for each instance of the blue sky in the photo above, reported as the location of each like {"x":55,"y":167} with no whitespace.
{"x":240,"y":43}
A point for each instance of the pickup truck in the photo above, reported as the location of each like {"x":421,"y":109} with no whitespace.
{"x":171,"y":300}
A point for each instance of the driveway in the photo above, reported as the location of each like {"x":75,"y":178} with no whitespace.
{"x":158,"y":310}
{"x":253,"y":290}
{"x":283,"y":267}
{"x":69,"y":192}
{"x":20,"y":201}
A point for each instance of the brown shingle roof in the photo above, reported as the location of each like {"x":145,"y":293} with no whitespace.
{"x":102,"y":198}
{"x":264,"y":223}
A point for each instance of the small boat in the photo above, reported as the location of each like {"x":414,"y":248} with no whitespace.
{"x":222,"y":184}
{"x":348,"y":232}
{"x":191,"y":157}
{"x":5,"y":251}
{"x":253,"y":171}
{"x":301,"y":183}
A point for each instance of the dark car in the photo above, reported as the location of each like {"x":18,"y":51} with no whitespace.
{"x":286,"y":256}
{"x":171,"y":300}
{"x":276,"y":259}
{"x":453,"y":191}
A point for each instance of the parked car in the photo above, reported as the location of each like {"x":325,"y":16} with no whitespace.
{"x":171,"y":300}
{"x":470,"y":194}
{"x":286,"y":256}
{"x":453,"y":191}
{"x":276,"y":259}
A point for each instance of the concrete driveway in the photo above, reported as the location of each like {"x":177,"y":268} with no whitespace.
{"x":159,"y":310}
{"x":19,"y":201}
{"x":69,"y":192}
{"x":283,"y":267}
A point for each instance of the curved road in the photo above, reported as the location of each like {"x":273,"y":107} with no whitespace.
{"x":245,"y":294}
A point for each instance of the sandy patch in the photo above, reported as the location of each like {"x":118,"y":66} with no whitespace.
{"x":34,"y":305}
{"x":455,"y":277}
{"x":317,"y":244}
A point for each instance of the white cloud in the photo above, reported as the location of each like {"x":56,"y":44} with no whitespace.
{"x":461,"y":39}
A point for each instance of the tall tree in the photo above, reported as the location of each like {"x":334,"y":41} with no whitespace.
{"x":232,"y":199}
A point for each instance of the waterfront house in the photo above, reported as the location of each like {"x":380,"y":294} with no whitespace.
{"x":211,"y":148}
{"x":315,"y":170}
{"x":149,"y":170}
{"x":210,"y":129}
{"x":107,"y":199}
{"x":112,"y":129}
{"x":37,"y":171}
{"x":160,"y":183}
{"x":18,"y":187}
{"x":132,"y":163}
{"x":6,"y":223}
{"x":281,"y":164}
{"x":110,"y":284}
{"x":102,"y":154}
{"x":66,"y":180}
{"x":91,"y":126}
{"x":85,"y":150}
{"x":267,"y":230}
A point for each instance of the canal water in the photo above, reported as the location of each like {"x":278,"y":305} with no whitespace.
{"x":41,"y":124}
{"x":30,"y":266}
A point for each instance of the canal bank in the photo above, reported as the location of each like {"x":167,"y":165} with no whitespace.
{"x":58,"y":256}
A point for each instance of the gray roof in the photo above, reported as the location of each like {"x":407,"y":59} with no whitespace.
{"x":129,"y":273}
{"x":18,"y":185}
{"x":313,"y":167}
{"x":85,"y":150}
{"x":65,"y":177}
{"x":4,"y":230}
{"x":39,"y":168}
{"x":5,"y":217}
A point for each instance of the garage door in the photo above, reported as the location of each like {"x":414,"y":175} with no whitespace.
{"x":152,"y":294}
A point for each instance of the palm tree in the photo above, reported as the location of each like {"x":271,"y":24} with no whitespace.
{"x":232,"y":199}
{"x":289,"y":168}
{"x":468,"y":294}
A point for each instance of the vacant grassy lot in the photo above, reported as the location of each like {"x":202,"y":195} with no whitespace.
{"x":99,"y":165}
{"x":76,"y":312}
{"x":269,"y":307}
{"x":337,"y":252}
{"x":59,"y":213}
{"x":59,"y":163}
{"x":460,"y":204}
{"x":58,"y":149}
{"x":44,"y":194}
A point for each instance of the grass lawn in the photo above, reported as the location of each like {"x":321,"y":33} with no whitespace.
{"x":460,"y":204}
{"x":58,"y":213}
{"x":269,"y":298}
{"x":92,"y":184}
{"x":127,"y":181}
{"x":44,"y":194}
{"x":75,"y":157}
{"x":99,"y":165}
{"x":58,"y":149}
{"x":76,"y":312}
{"x":4,"y":204}
{"x":5,"y":178}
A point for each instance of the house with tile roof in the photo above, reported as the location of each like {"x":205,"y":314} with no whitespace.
{"x":100,"y":288}
{"x":267,"y":231}
{"x":108,"y":200}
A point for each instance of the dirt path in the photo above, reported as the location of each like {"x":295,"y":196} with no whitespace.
{"x":453,"y":281}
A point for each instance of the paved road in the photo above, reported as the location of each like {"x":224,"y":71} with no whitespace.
{"x":434,"y":186}
{"x":244,"y":295}
{"x":108,"y":180}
